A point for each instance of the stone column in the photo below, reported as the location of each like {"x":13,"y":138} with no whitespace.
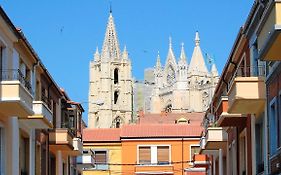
{"x":32,"y":152}
{"x":59,"y":162}
{"x":13,"y":146}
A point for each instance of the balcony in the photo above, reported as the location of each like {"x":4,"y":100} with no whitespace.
{"x":200,"y":160}
{"x":269,"y":37}
{"x":247,"y":93}
{"x":77,"y":147}
{"x":227,"y":120}
{"x":42,"y":118}
{"x":15,"y":94}
{"x":216,"y":138}
{"x":85,"y":162}
{"x":61,"y":139}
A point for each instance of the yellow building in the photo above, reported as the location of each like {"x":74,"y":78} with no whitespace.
{"x":102,"y":152}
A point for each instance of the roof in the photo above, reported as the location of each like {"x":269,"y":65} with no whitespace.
{"x":160,"y":131}
{"x":101,"y":134}
{"x":195,"y":118}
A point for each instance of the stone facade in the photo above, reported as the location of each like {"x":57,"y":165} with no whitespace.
{"x":180,"y":87}
{"x":110,"y":91}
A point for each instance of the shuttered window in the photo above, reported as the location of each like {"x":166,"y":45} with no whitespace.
{"x":144,"y":155}
{"x":100,"y":157}
{"x":163,"y":155}
{"x":155,"y":155}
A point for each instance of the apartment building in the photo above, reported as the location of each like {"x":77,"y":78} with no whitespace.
{"x":40,"y":127}
{"x":242,"y":125}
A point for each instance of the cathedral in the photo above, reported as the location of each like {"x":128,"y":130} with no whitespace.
{"x":176,"y":87}
{"x":110,"y":89}
{"x":180,"y":87}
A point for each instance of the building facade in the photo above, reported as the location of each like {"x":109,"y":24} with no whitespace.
{"x":180,"y":87}
{"x":144,"y":149}
{"x":102,"y":152}
{"x":110,"y":90}
{"x":242,"y":126}
{"x":40,"y":129}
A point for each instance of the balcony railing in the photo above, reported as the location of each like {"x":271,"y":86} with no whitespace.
{"x":15,"y":74}
{"x":249,"y":71}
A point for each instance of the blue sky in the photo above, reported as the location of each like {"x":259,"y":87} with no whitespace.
{"x":65,"y":33}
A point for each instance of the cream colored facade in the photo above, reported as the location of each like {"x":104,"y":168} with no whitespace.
{"x":31,"y":111}
{"x":110,"y":92}
{"x":180,"y":87}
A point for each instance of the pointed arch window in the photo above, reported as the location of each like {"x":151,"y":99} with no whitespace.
{"x":116,"y":76}
{"x":171,"y":77}
{"x":117,"y":122}
{"x":116,"y":95}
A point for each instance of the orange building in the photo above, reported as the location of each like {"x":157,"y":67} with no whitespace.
{"x":159,"y":149}
{"x":158,"y":144}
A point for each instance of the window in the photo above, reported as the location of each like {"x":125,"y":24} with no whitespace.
{"x":1,"y":64}
{"x":117,"y":122}
{"x":259,"y":147}
{"x":116,"y":95}
{"x":144,"y":155}
{"x":100,"y":159}
{"x":116,"y":76}
{"x":163,"y":155}
{"x":273,"y":126}
{"x":156,"y":155}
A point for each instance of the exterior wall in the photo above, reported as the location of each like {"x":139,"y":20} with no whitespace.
{"x":274,"y":119}
{"x":103,"y":110}
{"x":114,"y":156}
{"x":179,"y":152}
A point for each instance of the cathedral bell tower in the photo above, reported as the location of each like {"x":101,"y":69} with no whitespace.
{"x":110,"y":89}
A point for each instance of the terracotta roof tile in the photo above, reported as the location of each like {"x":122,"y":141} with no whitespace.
{"x":160,"y":130}
{"x":101,"y":134}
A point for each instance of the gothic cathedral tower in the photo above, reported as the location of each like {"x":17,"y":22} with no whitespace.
{"x":110,"y":90}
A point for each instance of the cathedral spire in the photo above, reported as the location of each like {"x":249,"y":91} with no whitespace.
{"x":158,"y":62}
{"x":97,"y":55}
{"x":197,"y":39}
{"x":182,"y":56}
{"x":110,"y":44}
{"x":171,"y":59}
{"x":197,"y":63}
{"x":214,"y":70}
{"x":125,"y":53}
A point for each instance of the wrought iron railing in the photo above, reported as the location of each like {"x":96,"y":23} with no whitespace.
{"x":249,"y":71}
{"x":15,"y":74}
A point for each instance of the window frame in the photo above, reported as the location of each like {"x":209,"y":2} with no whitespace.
{"x":101,"y":166}
{"x":190,"y":146}
{"x":154,"y":154}
{"x":272,"y":103}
